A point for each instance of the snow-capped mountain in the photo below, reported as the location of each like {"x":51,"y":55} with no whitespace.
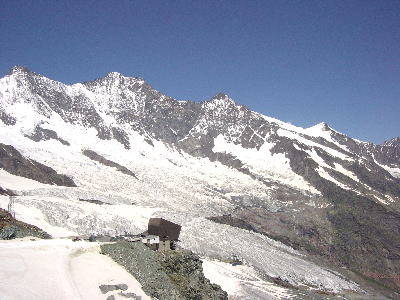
{"x":315,"y":190}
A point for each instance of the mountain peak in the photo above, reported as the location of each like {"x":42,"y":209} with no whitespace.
{"x":19,"y":70}
{"x":220,"y":96}
{"x":323,"y":126}
{"x":317,"y":129}
{"x":114,"y":75}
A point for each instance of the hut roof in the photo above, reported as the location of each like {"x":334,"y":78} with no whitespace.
{"x":164,"y":228}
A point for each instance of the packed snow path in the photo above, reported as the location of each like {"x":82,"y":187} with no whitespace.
{"x":59,"y":269}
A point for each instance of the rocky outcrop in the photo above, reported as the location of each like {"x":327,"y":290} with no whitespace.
{"x":184,"y":268}
{"x":13,"y":162}
{"x":43,"y":134}
{"x":6,"y":192}
{"x":11,"y":228}
{"x":388,"y":153}
{"x":169,"y":275}
{"x":6,"y":118}
{"x":97,"y":157}
{"x":105,"y":288}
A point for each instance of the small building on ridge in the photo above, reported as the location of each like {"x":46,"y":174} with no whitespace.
{"x":161,"y":234}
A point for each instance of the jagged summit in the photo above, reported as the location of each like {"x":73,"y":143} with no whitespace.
{"x":117,"y":75}
{"x":322,"y":126}
{"x":222,"y":99}
{"x":111,"y":77}
{"x":114,"y":78}
{"x":113,"y":74}
{"x":220,"y":96}
{"x":392,"y":142}
{"x":19,"y":70}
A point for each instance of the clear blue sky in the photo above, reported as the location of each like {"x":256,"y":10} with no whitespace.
{"x":299,"y":61}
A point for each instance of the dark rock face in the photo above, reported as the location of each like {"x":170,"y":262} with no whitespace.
{"x":367,"y":243}
{"x":11,"y":228}
{"x":389,"y":152}
{"x":121,"y":136}
{"x":13,"y":162}
{"x":43,"y":134}
{"x":6,"y":192}
{"x":166,"y":275}
{"x":6,"y":118}
{"x":97,"y":157}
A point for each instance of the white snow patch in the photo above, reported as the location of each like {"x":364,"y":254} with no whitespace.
{"x":318,"y":130}
{"x":346,"y":172}
{"x":315,"y":157}
{"x":13,"y":182}
{"x":327,"y":176}
{"x":382,"y":200}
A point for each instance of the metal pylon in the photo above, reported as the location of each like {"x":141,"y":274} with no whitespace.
{"x":11,"y":208}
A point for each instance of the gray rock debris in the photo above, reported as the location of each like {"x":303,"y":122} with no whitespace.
{"x":105,"y":288}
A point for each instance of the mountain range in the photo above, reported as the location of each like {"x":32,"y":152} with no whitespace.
{"x":281,"y":198}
